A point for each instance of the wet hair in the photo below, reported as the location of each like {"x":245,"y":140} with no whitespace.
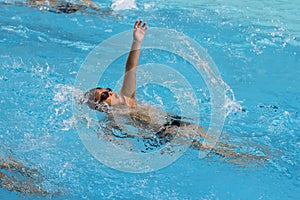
{"x":90,"y":100}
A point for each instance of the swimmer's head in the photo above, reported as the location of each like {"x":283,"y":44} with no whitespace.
{"x":97,"y":98}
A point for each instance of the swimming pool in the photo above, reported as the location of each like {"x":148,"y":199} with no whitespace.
{"x":256,"y":51}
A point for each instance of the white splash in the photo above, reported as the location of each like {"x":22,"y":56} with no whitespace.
{"x":63,"y":106}
{"x":124,"y":5}
{"x":65,"y":92}
{"x":231,"y":104}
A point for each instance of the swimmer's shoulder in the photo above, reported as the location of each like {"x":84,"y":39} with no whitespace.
{"x":129,"y":101}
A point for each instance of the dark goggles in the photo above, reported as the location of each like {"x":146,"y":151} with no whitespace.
{"x":104,"y":95}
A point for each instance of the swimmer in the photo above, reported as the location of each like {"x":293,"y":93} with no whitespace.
{"x":63,"y":6}
{"x":15,"y":176}
{"x":124,"y":108}
{"x":58,"y":6}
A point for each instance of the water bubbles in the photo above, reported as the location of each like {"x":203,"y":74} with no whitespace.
{"x":232,"y":105}
{"x":69,"y":123}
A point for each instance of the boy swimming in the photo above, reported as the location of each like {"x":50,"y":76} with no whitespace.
{"x":153,"y":125}
{"x":64,"y":6}
{"x":58,"y":6}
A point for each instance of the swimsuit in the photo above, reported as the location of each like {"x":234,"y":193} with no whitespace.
{"x":163,"y":136}
{"x":67,"y":7}
{"x":150,"y":140}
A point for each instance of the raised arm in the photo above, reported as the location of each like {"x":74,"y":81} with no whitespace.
{"x":129,"y":83}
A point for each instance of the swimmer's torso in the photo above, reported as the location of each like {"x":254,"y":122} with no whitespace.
{"x":146,"y":120}
{"x":141,"y":116}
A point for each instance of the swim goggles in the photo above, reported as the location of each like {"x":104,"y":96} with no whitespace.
{"x":104,"y":95}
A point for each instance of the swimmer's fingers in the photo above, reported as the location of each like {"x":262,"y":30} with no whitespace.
{"x":140,"y":22}
{"x":144,"y":26}
{"x":140,"y":25}
{"x":136,"y":24}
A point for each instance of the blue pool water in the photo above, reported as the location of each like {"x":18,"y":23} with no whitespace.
{"x":255,"y":46}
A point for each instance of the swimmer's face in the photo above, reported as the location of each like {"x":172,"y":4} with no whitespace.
{"x":108,"y":96}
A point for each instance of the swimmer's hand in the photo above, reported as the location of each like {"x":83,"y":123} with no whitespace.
{"x":139,"y":31}
{"x":91,"y":5}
